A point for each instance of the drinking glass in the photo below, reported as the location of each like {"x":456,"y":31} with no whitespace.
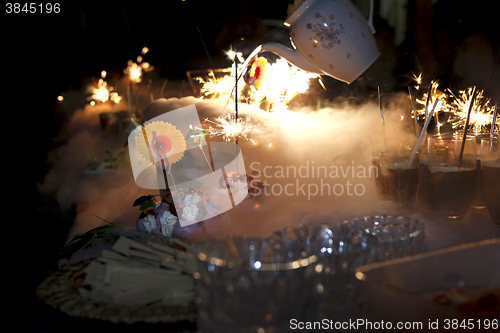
{"x":400,"y":169}
{"x":396,"y":236}
{"x":250,"y":284}
{"x":452,"y":171}
{"x":490,"y":176}
{"x":330,"y":278}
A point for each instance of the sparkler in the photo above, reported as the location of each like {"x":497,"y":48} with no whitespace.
{"x":466,"y":127}
{"x":382,"y":115}
{"x":281,"y":83}
{"x":229,"y":128}
{"x":102,"y":93}
{"x":418,"y":80}
{"x":493,"y":122}
{"x":136,"y":69}
{"x":410,"y":94}
{"x":423,"y":133}
{"x":480,"y":115}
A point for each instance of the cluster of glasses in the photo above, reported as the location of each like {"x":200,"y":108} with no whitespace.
{"x":303,"y":273}
{"x":449,"y":175}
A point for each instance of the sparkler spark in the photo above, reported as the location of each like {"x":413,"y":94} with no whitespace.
{"x":418,"y":80}
{"x":435,"y":93}
{"x":135,"y":69}
{"x":281,"y":83}
{"x":230,"y":128}
{"x":102,"y":93}
{"x":481,"y":115}
{"x":215,"y":87}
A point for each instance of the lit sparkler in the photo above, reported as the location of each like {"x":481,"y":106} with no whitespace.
{"x":135,"y":69}
{"x":102,"y":93}
{"x":280,"y":84}
{"x":418,"y":80}
{"x":230,"y":128}
{"x":481,"y":115}
{"x":435,"y":93}
{"x":215,"y":87}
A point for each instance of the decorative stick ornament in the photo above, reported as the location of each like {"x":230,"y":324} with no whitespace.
{"x":466,"y":127}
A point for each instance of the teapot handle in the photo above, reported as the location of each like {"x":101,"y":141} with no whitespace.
{"x":370,"y":18}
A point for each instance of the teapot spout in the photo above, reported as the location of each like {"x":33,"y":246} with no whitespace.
{"x":292,"y":56}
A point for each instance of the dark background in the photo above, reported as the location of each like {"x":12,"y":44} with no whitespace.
{"x":44,"y":55}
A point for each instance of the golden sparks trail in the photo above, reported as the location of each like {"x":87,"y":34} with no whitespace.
{"x":231,"y":129}
{"x":281,"y":82}
{"x":481,"y":115}
{"x":135,"y":69}
{"x":102,"y":93}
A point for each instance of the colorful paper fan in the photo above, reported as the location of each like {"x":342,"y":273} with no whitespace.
{"x":169,"y":138}
{"x":255,"y":72}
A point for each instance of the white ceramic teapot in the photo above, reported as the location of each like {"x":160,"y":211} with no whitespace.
{"x":330,"y":37}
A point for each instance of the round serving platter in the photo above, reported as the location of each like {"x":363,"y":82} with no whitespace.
{"x":61,"y":291}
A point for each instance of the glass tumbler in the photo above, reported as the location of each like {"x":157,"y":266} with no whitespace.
{"x":452,"y":171}
{"x":490,"y":176}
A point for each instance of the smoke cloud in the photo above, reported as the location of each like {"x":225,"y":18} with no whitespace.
{"x":316,"y":164}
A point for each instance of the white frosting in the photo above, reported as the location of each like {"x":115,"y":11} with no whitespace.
{"x":149,"y":222}
{"x":239,"y":191}
{"x":191,"y":199}
{"x":190,"y":212}
{"x":167,"y":221}
{"x":190,"y":209}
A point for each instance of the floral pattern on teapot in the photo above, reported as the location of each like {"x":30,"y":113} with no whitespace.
{"x":324,"y":31}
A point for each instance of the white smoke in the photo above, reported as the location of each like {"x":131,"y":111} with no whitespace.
{"x":296,"y":154}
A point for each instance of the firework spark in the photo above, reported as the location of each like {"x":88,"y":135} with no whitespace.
{"x":281,"y":83}
{"x":215,"y":87}
{"x":230,"y":128}
{"x":136,"y":69}
{"x":102,"y":93}
{"x":481,"y":115}
{"x":435,"y":93}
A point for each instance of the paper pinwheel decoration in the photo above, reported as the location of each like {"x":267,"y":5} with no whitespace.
{"x":161,"y":140}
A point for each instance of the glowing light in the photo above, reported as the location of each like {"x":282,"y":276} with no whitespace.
{"x":136,"y":69}
{"x":280,"y":84}
{"x":114,"y":97}
{"x":102,"y":93}
{"x":215,"y":87}
{"x":230,"y":128}
{"x":60,"y":98}
{"x":418,"y":80}
{"x":481,"y":114}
